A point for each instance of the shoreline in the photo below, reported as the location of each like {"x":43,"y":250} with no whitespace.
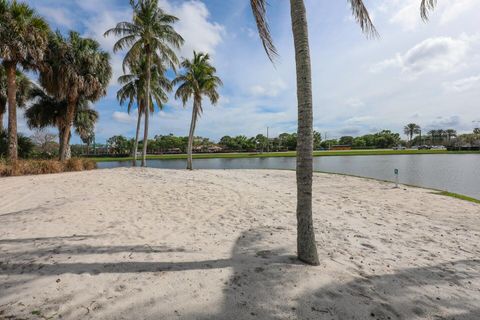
{"x":284,"y":154}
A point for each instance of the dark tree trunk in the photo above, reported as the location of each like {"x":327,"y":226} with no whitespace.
{"x":306,"y":244}
{"x":64,"y":143}
{"x":12,"y":152}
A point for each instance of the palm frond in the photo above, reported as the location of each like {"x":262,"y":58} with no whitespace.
{"x":361,"y":15}
{"x":259,"y":8}
{"x":425,"y":7}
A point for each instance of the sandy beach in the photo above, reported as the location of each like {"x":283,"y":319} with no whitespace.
{"x":167,"y":244}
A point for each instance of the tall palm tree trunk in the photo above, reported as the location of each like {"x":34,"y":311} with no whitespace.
{"x":306,"y":244}
{"x":12,"y":152}
{"x":64,"y":144}
{"x":191,"y":135}
{"x":135,"y":145}
{"x":147,"y":107}
{"x":145,"y":140}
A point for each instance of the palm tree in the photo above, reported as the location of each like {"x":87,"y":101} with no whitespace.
{"x":411,"y":129}
{"x":84,"y":124}
{"x":24,"y":85}
{"x":134,"y":89}
{"x":433,"y":134}
{"x":306,"y":245}
{"x":197,"y":80}
{"x":151,"y":36}
{"x":23,"y":39}
{"x":75,"y":69}
{"x":450,"y":133}
{"x":441,"y":134}
{"x":47,"y":111}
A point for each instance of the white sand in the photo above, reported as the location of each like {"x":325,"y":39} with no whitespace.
{"x":157,"y":244}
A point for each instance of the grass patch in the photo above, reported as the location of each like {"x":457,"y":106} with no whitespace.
{"x":35,"y":167}
{"x":286,"y":154}
{"x":458,"y":196}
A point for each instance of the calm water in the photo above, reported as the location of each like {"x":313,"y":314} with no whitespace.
{"x":459,"y":173}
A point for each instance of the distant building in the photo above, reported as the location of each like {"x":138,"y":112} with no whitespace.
{"x":341,"y":147}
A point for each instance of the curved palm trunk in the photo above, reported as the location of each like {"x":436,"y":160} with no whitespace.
{"x":147,"y":108}
{"x":64,"y":143}
{"x":192,"y":134}
{"x":306,"y":245}
{"x":135,"y":145}
{"x":12,"y":152}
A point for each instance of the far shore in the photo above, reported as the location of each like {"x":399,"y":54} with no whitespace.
{"x":239,"y":155}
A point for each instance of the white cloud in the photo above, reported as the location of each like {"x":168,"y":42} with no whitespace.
{"x":430,"y":55}
{"x":124,"y":117}
{"x":456,"y":9}
{"x":406,"y":13}
{"x":194,"y":25}
{"x":271,"y":89}
{"x":407,"y":16}
{"x":354,"y":103}
{"x":462,"y":85}
{"x":57,"y":15}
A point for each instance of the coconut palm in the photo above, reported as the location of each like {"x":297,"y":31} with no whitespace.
{"x":75,"y":69}
{"x":47,"y":111}
{"x":306,"y":246}
{"x":433,"y":134}
{"x":23,"y":39}
{"x":450,"y":133}
{"x":411,"y":129}
{"x":151,"y":36}
{"x":134,"y":89}
{"x":198,"y":79}
{"x":24,"y":86}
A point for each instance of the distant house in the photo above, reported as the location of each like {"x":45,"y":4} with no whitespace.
{"x":341,"y":147}
{"x":214,"y":149}
{"x":209,"y":149}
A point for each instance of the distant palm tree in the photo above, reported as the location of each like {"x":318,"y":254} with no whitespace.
{"x":450,"y":133}
{"x":306,"y":245}
{"x":84,"y":124}
{"x":151,"y":36}
{"x":441,"y":134}
{"x":476,"y":131}
{"x":134,"y":89}
{"x":24,"y":86}
{"x":75,"y":69}
{"x":433,"y":134}
{"x":198,"y":79}
{"x":411,"y":129}
{"x":23,"y":39}
{"x":47,"y":111}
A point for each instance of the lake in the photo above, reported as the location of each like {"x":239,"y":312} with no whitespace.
{"x":458,"y":173}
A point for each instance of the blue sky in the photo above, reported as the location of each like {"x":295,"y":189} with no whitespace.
{"x":415,"y":72}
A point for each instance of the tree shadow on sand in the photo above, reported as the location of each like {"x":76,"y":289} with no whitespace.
{"x":265,"y":284}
